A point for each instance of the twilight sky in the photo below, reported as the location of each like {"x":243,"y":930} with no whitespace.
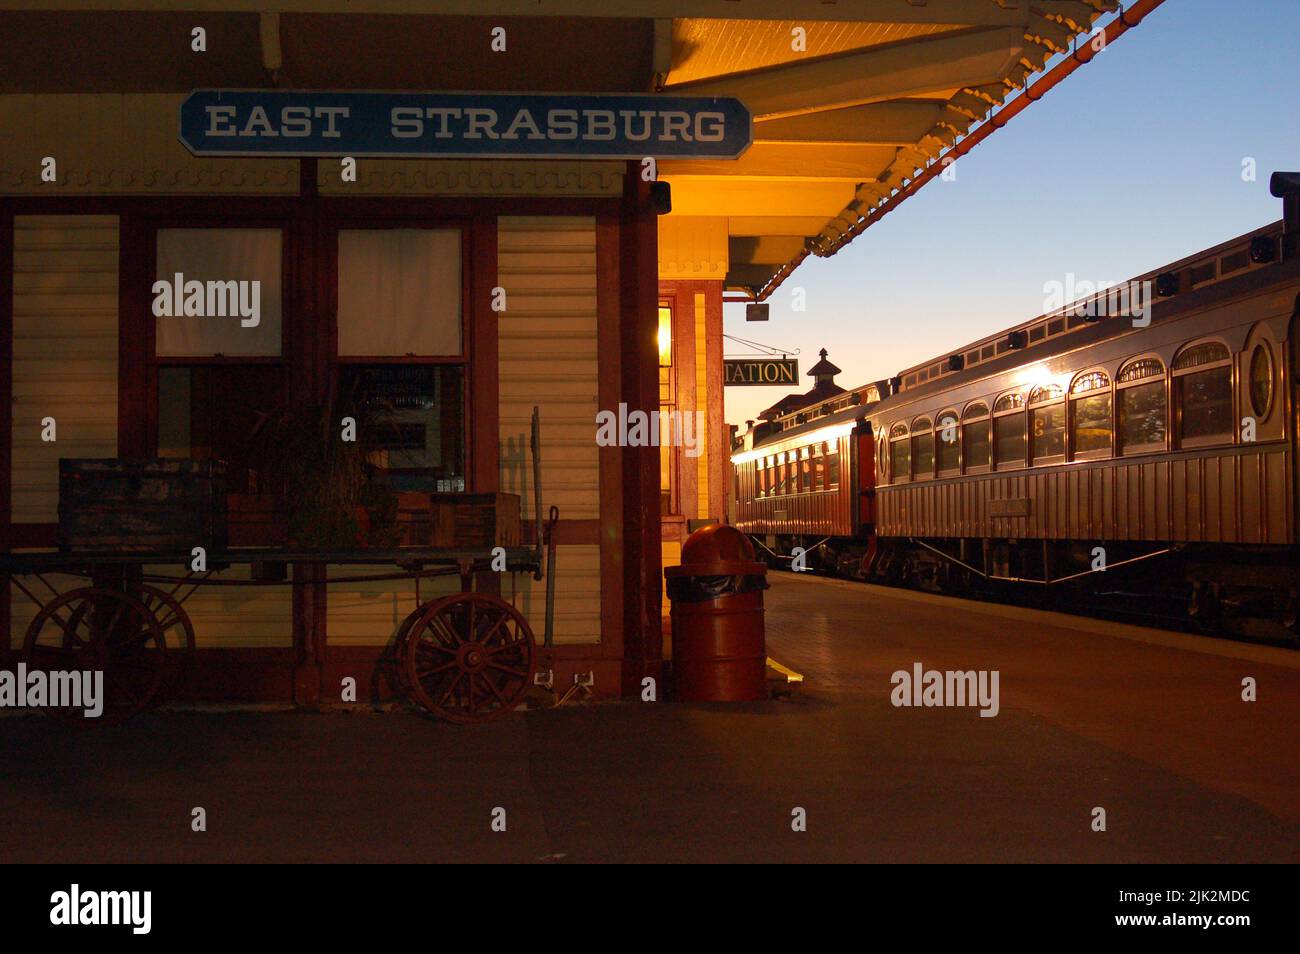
{"x":1133,"y":161}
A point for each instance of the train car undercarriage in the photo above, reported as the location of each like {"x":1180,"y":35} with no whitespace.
{"x":1239,"y":591}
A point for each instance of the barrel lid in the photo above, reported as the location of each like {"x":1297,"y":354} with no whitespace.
{"x":717,"y":568}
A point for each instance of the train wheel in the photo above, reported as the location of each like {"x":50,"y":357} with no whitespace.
{"x":100,"y":631}
{"x":469,"y":657}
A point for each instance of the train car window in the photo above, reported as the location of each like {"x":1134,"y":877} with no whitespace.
{"x":1047,"y":422}
{"x":922,"y":448}
{"x":1048,"y":428}
{"x":832,"y":466}
{"x":1203,"y":394}
{"x":900,"y":455}
{"x":1261,"y":381}
{"x":818,"y":469}
{"x":947,"y":442}
{"x":975,"y":445}
{"x":1009,"y":402}
{"x":1090,"y":408}
{"x":1142,"y":418}
{"x":1009,"y":430}
{"x":1207,"y":352}
{"x":805,"y":471}
{"x":1139,"y":370}
{"x":1009,"y":436}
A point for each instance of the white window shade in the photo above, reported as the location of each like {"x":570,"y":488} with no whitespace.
{"x":399,"y":292}
{"x":221,"y":255}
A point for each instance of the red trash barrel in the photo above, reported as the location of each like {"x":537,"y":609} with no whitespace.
{"x":719,"y":647}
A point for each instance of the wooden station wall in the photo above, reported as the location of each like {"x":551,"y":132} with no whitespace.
{"x":557,"y":346}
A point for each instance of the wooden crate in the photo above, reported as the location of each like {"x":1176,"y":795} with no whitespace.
{"x":141,"y":504}
{"x":463,"y":521}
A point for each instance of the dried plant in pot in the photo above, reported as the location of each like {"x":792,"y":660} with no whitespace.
{"x":332,"y":495}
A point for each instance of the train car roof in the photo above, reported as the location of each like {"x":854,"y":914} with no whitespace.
{"x":1085,"y":333}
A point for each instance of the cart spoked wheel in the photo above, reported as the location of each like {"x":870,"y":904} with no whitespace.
{"x":469,"y":657}
{"x":178,"y":633}
{"x":97,"y":630}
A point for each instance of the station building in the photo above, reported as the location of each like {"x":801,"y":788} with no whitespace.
{"x":613,"y":286}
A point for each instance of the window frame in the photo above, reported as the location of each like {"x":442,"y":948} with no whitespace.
{"x":938,"y":439}
{"x":923,"y":427}
{"x":1262,"y":345}
{"x":1020,"y":410}
{"x":969,"y":418}
{"x":1071,"y":398}
{"x":1117,"y":436}
{"x":1176,"y":402}
{"x":899,"y":433}
{"x":1030,"y":438}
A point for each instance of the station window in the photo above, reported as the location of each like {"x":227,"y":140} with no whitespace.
{"x":1141,"y":405}
{"x":1203,"y":394}
{"x":417,"y":415}
{"x":900,"y":454}
{"x":400,"y":349}
{"x":975,"y":444}
{"x":1047,"y":423}
{"x":1009,"y":430}
{"x":947,"y":444}
{"x":1090,"y":414}
{"x":922,"y":447}
{"x":218,"y":355}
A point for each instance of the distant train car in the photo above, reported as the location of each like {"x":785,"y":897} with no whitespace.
{"x":1160,"y":445}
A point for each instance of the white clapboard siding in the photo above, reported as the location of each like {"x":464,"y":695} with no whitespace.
{"x":64,"y":366}
{"x":368,"y":614}
{"x":549,"y":358}
{"x":65,"y":352}
{"x":230,"y":617}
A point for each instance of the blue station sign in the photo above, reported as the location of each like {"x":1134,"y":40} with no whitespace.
{"x":286,"y":123}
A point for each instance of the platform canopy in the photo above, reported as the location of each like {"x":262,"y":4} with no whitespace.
{"x":849,"y":98}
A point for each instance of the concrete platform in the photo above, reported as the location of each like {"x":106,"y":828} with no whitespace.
{"x":1149,"y":726}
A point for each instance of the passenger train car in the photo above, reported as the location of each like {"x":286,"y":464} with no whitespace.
{"x":1078,"y":445}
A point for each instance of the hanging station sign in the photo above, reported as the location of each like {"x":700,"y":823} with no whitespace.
{"x":760,"y":371}
{"x":292,"y":123}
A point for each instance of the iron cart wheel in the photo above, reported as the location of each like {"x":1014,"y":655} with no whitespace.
{"x":468,"y":657}
{"x":92,"y":629}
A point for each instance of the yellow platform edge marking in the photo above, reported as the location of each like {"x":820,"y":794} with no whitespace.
{"x":790,"y":674}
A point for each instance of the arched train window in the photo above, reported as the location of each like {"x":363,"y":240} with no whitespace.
{"x":947,"y":441}
{"x":975,"y":444}
{"x":1090,"y":409}
{"x":922,"y":447}
{"x":1203,"y":394}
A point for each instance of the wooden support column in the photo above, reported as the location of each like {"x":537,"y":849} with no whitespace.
{"x":309,"y":354}
{"x":718,"y":449}
{"x":638,"y":279}
{"x":6,"y":402}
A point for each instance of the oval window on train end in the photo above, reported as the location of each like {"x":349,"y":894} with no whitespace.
{"x":1261,"y":381}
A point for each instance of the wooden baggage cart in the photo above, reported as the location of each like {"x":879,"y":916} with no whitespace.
{"x":467,"y":657}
